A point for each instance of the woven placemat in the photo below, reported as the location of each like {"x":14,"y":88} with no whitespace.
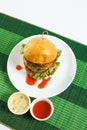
{"x":70,"y":106}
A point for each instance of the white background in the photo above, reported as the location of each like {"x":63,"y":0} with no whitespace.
{"x":65,"y":17}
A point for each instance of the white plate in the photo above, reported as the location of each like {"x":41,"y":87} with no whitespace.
{"x":59,"y":82}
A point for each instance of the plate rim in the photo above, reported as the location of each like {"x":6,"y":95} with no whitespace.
{"x":30,"y":37}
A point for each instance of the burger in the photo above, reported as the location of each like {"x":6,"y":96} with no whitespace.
{"x":40,"y":57}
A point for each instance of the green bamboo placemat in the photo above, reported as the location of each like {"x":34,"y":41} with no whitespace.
{"x":70,"y":106}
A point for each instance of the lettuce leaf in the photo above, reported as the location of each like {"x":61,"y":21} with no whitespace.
{"x":22,"y":49}
{"x":40,"y":75}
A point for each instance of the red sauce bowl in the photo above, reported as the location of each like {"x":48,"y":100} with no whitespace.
{"x":41,"y":109}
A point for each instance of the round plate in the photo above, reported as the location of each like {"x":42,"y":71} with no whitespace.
{"x":60,"y":80}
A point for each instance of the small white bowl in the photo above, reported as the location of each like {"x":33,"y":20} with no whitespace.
{"x":19,"y":103}
{"x":41,"y":109}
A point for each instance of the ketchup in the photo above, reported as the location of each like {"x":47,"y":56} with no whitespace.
{"x":42,"y":109}
{"x":30,"y":80}
{"x":44,"y":82}
{"x":19,"y":67}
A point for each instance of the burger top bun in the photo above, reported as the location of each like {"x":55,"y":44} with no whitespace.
{"x":40,"y":50}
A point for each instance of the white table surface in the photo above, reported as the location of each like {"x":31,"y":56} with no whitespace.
{"x":3,"y":127}
{"x":65,"y":17}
